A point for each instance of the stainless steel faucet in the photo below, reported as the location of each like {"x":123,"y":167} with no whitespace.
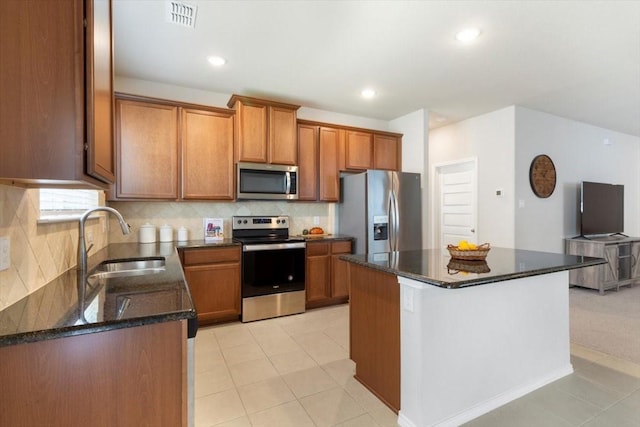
{"x":82,"y":249}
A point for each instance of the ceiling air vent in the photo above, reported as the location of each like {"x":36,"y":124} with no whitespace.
{"x":181,"y":13}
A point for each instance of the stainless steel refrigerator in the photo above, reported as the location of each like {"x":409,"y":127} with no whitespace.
{"x":382,"y":210}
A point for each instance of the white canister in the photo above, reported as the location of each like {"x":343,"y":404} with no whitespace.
{"x":183,"y":234}
{"x":147,"y":233}
{"x":166,"y":233}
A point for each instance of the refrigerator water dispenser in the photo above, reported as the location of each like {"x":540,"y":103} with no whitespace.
{"x":381,"y":227}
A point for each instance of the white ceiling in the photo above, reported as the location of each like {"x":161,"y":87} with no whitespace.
{"x":575,"y":59}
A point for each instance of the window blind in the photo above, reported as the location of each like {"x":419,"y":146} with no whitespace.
{"x":57,"y":203}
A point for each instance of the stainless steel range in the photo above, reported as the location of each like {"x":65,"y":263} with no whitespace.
{"x":273,"y":267}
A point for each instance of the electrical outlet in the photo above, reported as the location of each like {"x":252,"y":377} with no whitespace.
{"x":407,"y":299}
{"x":316,"y":220}
{"x":89,"y":237}
{"x":5,"y":253}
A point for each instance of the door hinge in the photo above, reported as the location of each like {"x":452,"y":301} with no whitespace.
{"x":86,"y":146}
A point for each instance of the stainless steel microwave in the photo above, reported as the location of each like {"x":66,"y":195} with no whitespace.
{"x":268,"y":182}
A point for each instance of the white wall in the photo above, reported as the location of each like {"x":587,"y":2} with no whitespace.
{"x":490,"y":138}
{"x":415,"y":129}
{"x":415,"y":140}
{"x":579,"y":154}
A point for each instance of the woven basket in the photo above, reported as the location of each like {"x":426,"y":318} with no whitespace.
{"x":456,"y":266}
{"x":476,"y":254}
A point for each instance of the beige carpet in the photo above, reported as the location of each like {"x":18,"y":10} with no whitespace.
{"x":609,"y":323}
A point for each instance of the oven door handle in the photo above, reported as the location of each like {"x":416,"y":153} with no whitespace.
{"x":273,"y":246}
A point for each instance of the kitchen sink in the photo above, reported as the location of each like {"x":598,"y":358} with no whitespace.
{"x":128,"y":267}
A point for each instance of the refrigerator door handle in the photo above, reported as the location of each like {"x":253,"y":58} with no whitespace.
{"x":391,"y":211}
{"x":396,"y":221}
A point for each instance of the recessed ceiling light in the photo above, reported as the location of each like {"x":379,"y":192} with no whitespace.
{"x":467,"y":35}
{"x":216,"y":61}
{"x":368,"y":93}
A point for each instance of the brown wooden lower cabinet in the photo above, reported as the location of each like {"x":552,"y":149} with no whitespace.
{"x":213,"y":276}
{"x":126,"y":377}
{"x":326,"y":275}
{"x":374,"y":331}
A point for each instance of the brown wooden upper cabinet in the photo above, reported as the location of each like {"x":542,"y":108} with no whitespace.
{"x":387,"y":152}
{"x":368,"y":150}
{"x":170,"y":151}
{"x":266,"y":131}
{"x":308,"y":162}
{"x":56,"y":86}
{"x":207,"y":155}
{"x":329,"y":174}
{"x":147,"y":150}
{"x":359,"y":150}
{"x":319,"y":176}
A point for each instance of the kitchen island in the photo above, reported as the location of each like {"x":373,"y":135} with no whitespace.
{"x":443,"y":341}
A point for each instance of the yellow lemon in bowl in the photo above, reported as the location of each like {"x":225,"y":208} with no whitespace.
{"x":463,"y":245}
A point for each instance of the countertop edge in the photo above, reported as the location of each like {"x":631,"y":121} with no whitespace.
{"x":71,"y":331}
{"x":471,"y":282}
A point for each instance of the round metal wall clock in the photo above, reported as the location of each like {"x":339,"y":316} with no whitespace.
{"x":542,"y":176}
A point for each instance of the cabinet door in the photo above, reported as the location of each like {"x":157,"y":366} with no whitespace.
{"x":318,"y":271}
{"x":147,"y":150}
{"x":41,"y":95}
{"x":329,"y":174}
{"x":207,"y":155}
{"x":635,"y":256}
{"x":283,"y":146}
{"x":359,"y":150}
{"x":386,"y":151}
{"x":99,"y":90}
{"x":611,"y":268}
{"x":215,"y":290}
{"x":308,"y":162}
{"x":339,"y":269}
{"x":252,"y":132}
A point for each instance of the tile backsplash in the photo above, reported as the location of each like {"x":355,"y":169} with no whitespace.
{"x":191,"y":215}
{"x":39,"y":252}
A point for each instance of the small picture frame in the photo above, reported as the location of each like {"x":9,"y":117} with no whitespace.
{"x":213,"y":229}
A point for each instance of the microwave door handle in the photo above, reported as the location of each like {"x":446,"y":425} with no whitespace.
{"x":287,"y":181}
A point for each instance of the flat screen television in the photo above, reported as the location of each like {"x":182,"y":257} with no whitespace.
{"x":601,"y":208}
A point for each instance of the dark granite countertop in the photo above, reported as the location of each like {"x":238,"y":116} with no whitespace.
{"x":62,"y":308}
{"x":436,"y":267}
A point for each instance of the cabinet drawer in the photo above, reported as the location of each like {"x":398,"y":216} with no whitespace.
{"x":341,"y":247}
{"x":317,"y":248}
{"x":211,"y":256}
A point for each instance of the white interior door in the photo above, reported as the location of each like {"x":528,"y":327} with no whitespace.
{"x":456,"y":210}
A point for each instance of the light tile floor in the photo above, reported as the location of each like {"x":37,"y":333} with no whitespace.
{"x":295,"y":371}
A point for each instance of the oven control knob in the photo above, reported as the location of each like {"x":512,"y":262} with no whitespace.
{"x":284,"y":220}
{"x":239,"y":221}
{"x":244,"y":221}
